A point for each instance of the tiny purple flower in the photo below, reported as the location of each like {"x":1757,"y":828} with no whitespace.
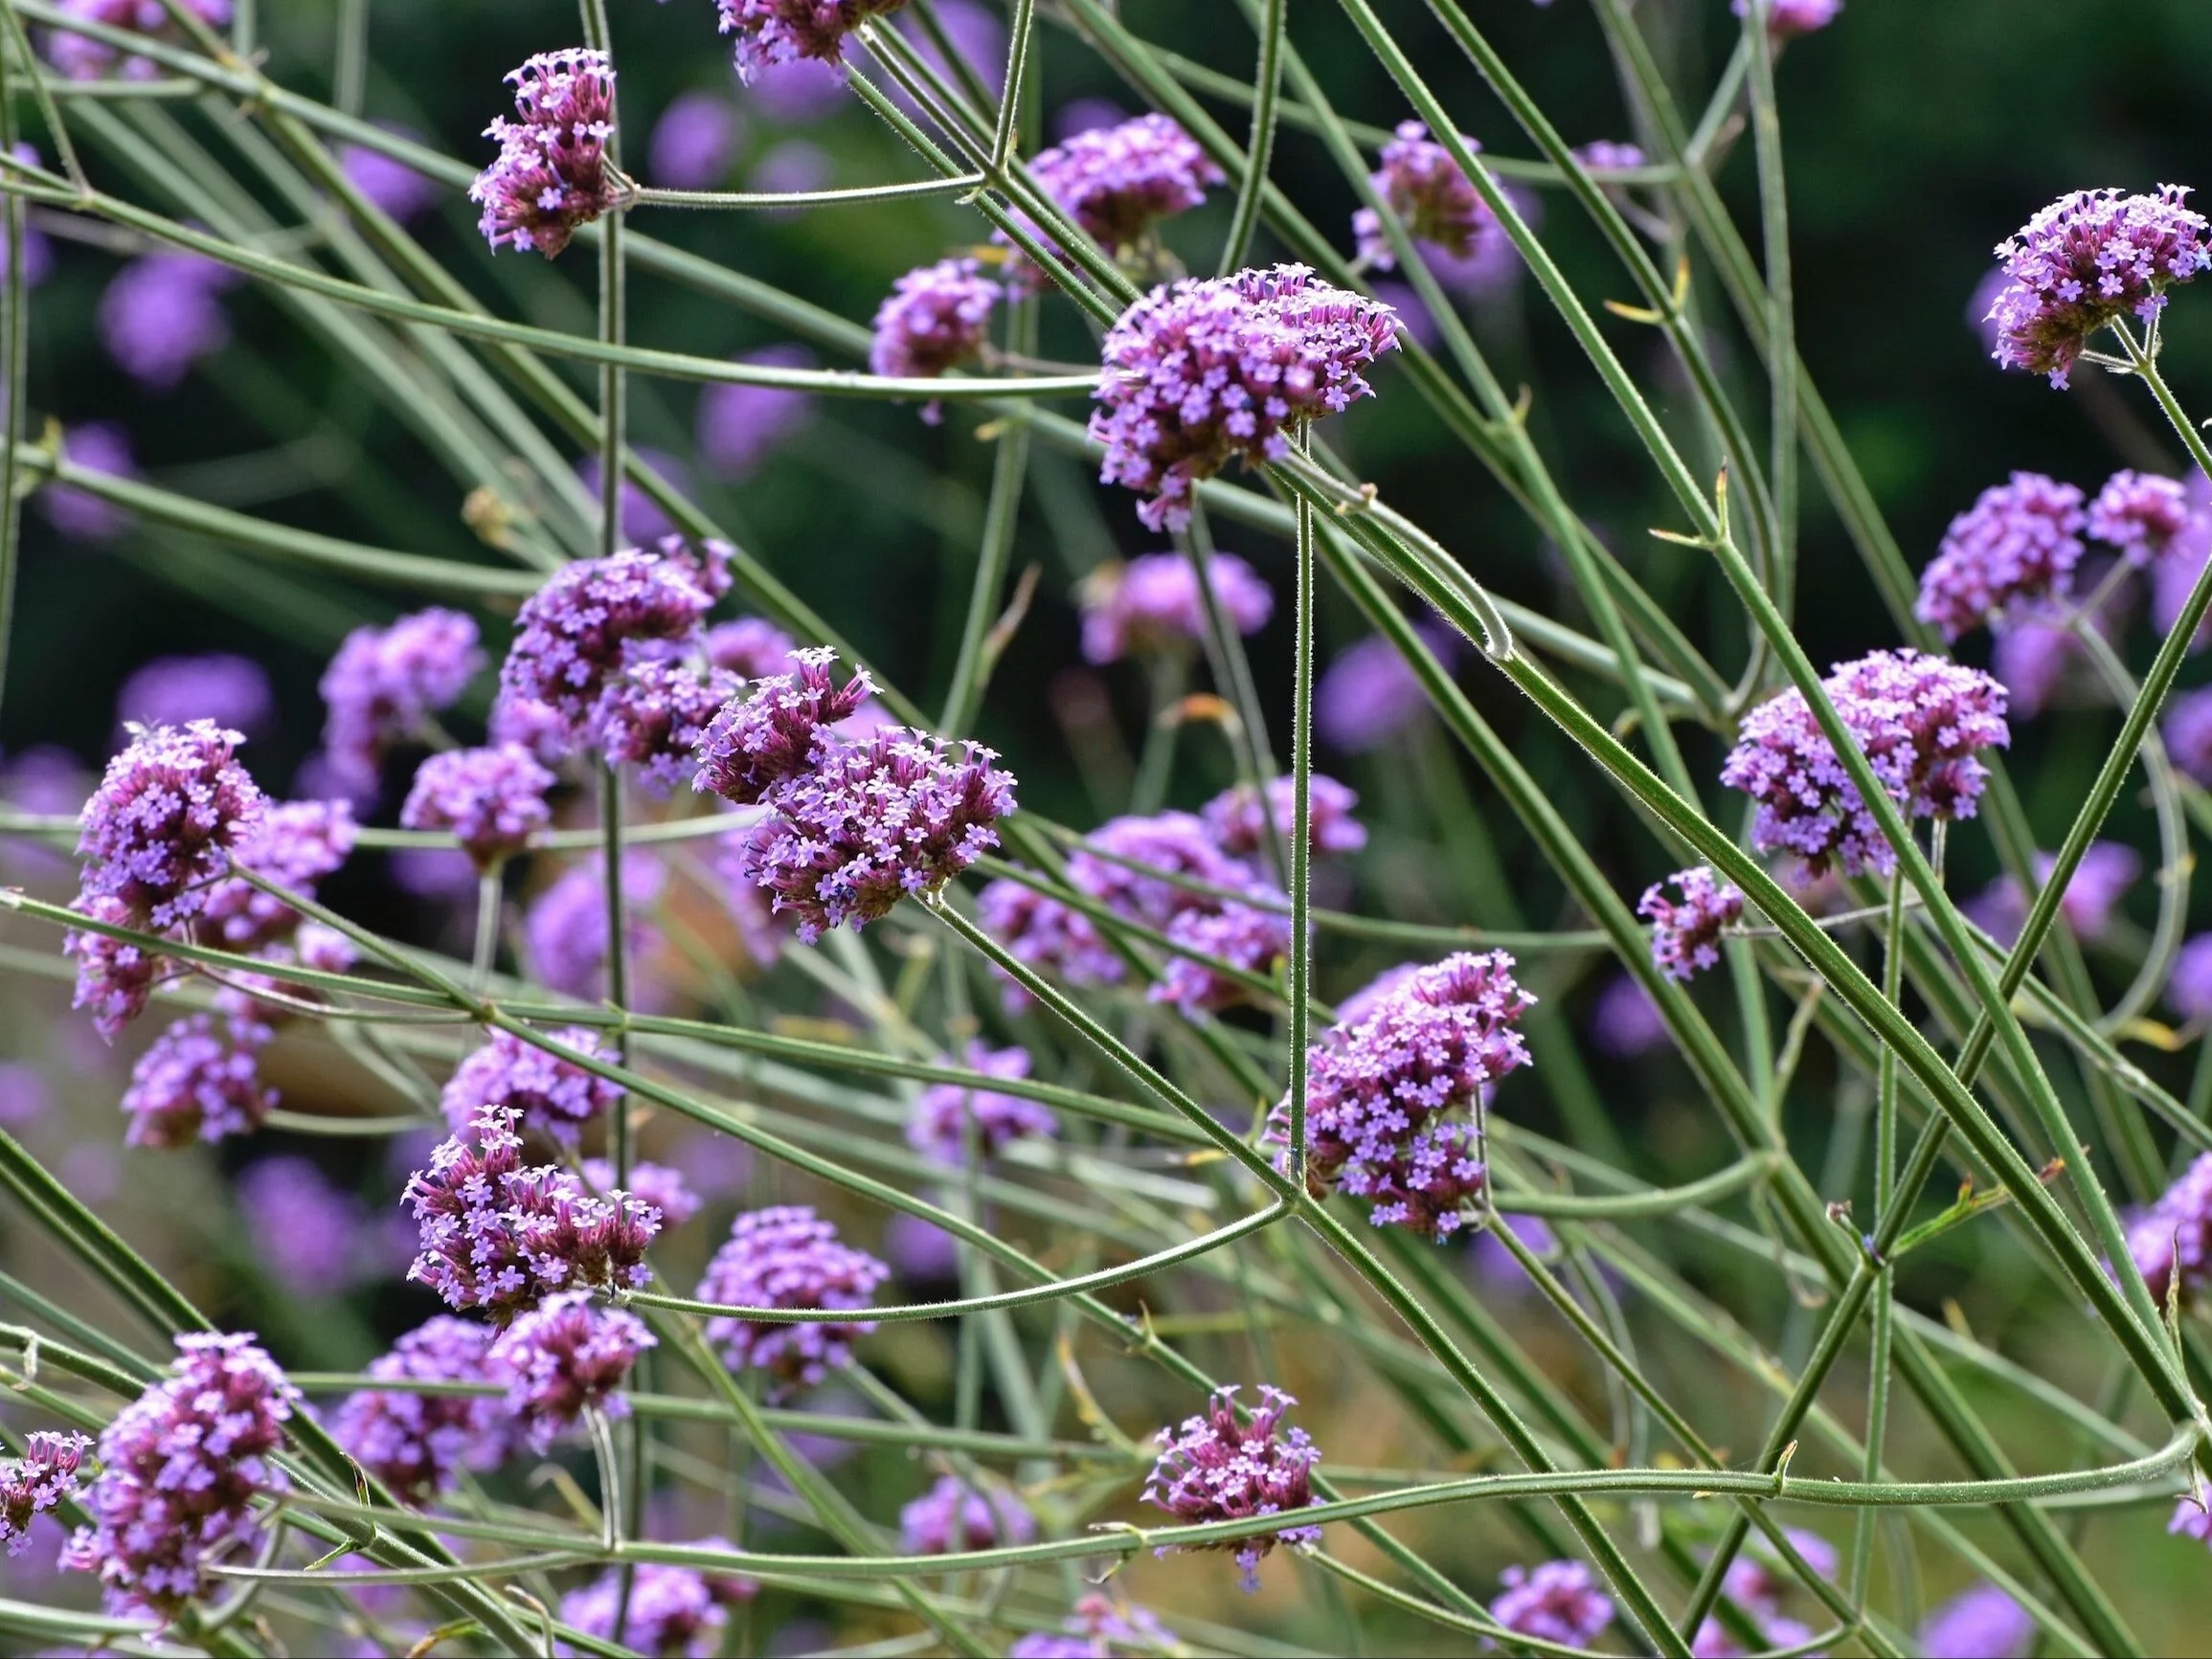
{"x":948,"y":1114}
{"x":566,"y":1356}
{"x":955,"y":1517}
{"x":1557,"y":1601}
{"x":230,"y":690}
{"x":766,"y":736}
{"x":417,"y":1443}
{"x":595,"y":619}
{"x":2088,"y":259}
{"x":492,"y":800}
{"x":651,"y":718}
{"x":1098,"y":1628}
{"x":739,"y":426}
{"x":545,"y":1093}
{"x":1153,"y":603}
{"x":160,"y":316}
{"x":113,"y":978}
{"x":295,"y":844}
{"x":564,"y":931}
{"x":1218,"y":1469}
{"x":771,"y":33}
{"x":42,"y":1479}
{"x":787,"y":1258}
{"x":1686,"y":934}
{"x":96,"y":446}
{"x":937,"y":316}
{"x":193,"y":1085}
{"x":552,"y":174}
{"x":695,"y":141}
{"x":2015,"y":547}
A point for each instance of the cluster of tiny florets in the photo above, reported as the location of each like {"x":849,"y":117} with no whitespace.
{"x":1117,"y":182}
{"x":1098,"y":1628}
{"x":1427,"y":190}
{"x":114,"y":978}
{"x":788,"y":1257}
{"x":1241,"y":829}
{"x":545,"y":1093}
{"x":179,"y":1470}
{"x":1252,"y":938}
{"x":1686,"y":932}
{"x":2015,"y":547}
{"x":592,"y":622}
{"x":164,"y":820}
{"x":955,"y":1516}
{"x":417,"y":1443}
{"x":2140,"y":513}
{"x":1217,"y":1468}
{"x":2090,"y":258}
{"x":552,"y":174}
{"x":1919,"y":720}
{"x":673,"y":1612}
{"x":1153,"y":603}
{"x":384,"y":684}
{"x":948,"y":1116}
{"x":2171,"y":1241}
{"x":42,"y":1479}
{"x":294,"y":845}
{"x":80,"y":57}
{"x":1558,"y":1602}
{"x":492,"y":800}
{"x":651,"y":717}
{"x":567,"y":1356}
{"x":775,"y":31}
{"x":196,"y":1082}
{"x":935,"y":318}
{"x":1380,"y":1091}
{"x":500,"y":1235}
{"x":766,"y":736}
{"x":1205,"y":370}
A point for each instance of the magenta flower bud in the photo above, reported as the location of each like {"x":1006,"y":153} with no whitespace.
{"x":786,"y":1258}
{"x":1685,"y":938}
{"x":492,"y":800}
{"x":552,"y":174}
{"x":1787,"y":19}
{"x":1117,"y":181}
{"x":1216,"y":1468}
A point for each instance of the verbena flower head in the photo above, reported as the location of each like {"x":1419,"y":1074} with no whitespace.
{"x":565,"y":1357}
{"x":651,"y":717}
{"x":2107,"y":870}
{"x":96,"y":446}
{"x":595,"y":619}
{"x":2139,"y":513}
{"x":1686,"y":932}
{"x":947,"y":1115}
{"x":1235,"y":819}
{"x":656,"y":1184}
{"x":552,"y":174}
{"x":871,"y":823}
{"x":765,"y":735}
{"x":934,"y":317}
{"x":1118,"y":181}
{"x":164,"y":820}
{"x":545,"y":1093}
{"x":695,"y":141}
{"x":2188,"y":731}
{"x":787,"y":1257}
{"x":492,"y":800}
{"x":1626,"y":1022}
{"x":1153,"y":603}
{"x":80,"y":57}
{"x":1216,"y":1468}
{"x":179,"y":1469}
{"x":770,"y":33}
{"x":1557,"y":1601}
{"x":1787,"y":19}
{"x":40,"y":1480}
{"x":1377,"y":1091}
{"x":739,"y":426}
{"x":1984,"y":1622}
{"x":113,"y":978}
{"x":385,"y":683}
{"x":1250,"y":937}
{"x":1424,"y":187}
{"x":1205,"y":370}
{"x":307,"y":1231}
{"x":195,"y":1082}
{"x":2173,"y":1239}
{"x":231,"y":690}
{"x":2088,"y":259}
{"x":1919,"y":720}
{"x":161,"y":315}
{"x":751,"y":649}
{"x":1098,"y":1628}
{"x":955,"y":1516}
{"x":1369,"y":694}
{"x":500,"y":1235}
{"x":419,"y":1443}
{"x":674,"y":1612}
{"x":390,"y":184}
{"x":2015,"y":547}
{"x":564,"y":932}
{"x":2189,"y":987}
{"x":294,"y":843}
{"x":1605,"y":155}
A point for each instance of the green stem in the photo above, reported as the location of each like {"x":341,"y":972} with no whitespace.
{"x":1267,"y":92}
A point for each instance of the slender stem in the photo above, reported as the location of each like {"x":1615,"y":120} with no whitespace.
{"x":1018,"y":44}
{"x":1267,"y":91}
{"x":1301,"y":844}
{"x":1009,"y":469}
{"x":350,"y":68}
{"x":485,"y":948}
{"x":1781,"y":323}
{"x":16,"y":347}
{"x":1884,"y":1198}
{"x":859,"y":195}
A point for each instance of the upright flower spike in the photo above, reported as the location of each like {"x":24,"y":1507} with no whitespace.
{"x":552,"y":174}
{"x":192,"y":1083}
{"x":41,"y":1479}
{"x":1217,"y":1468}
{"x":419,"y":1444}
{"x":164,"y":820}
{"x":936,"y":318}
{"x":593,"y":619}
{"x":492,"y":800}
{"x":1153,"y":604}
{"x":785,"y":1257}
{"x":2140,"y":514}
{"x":1207,"y":370}
{"x":1919,"y":720}
{"x":1558,"y":1602}
{"x":2014,"y":549}
{"x":771,"y":33}
{"x":1686,"y":934}
{"x":2087,"y":260}
{"x":565,"y":1357}
{"x":179,"y":1470}
{"x":948,"y":1115}
{"x":956,"y":1516}
{"x":544,"y":1092}
{"x":1427,"y":190}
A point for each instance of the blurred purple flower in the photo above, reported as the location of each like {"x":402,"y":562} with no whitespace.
{"x":2189,"y":987}
{"x":739,"y":426}
{"x":651,"y":718}
{"x":305,"y":1230}
{"x":547,"y":1095}
{"x":1085,"y":115}
{"x":799,"y":90}
{"x":1117,"y":182}
{"x":695,"y":141}
{"x":655,"y":1184}
{"x":193,"y":1085}
{"x":24,"y":1094}
{"x":1626,"y":1022}
{"x":1494,"y":265}
{"x":230,"y":690}
{"x":943,"y":1113}
{"x":294,"y":845}
{"x":923,"y":1252}
{"x":1425,"y":188}
{"x":395,"y":188}
{"x":937,"y":316}
{"x":785,"y":1257}
{"x":383,"y":684}
{"x":434,"y":873}
{"x":1236,"y":822}
{"x":160,"y":316}
{"x":1251,"y":937}
{"x":751,"y":649}
{"x":790,"y":168}
{"x":565,"y":929}
{"x":955,"y":1517}
{"x":591,"y":619}
{"x":2188,"y":731}
{"x":2139,"y":513}
{"x":1984,"y":1623}
{"x":1153,"y":603}
{"x":1557,"y":1601}
{"x":643,"y":520}
{"x":1368,"y":693}
{"x":2015,"y":547}
{"x":80,"y":57}
{"x":96,"y":446}
{"x":492,"y":800}
{"x":976,"y":35}
{"x":2106,"y":872}
{"x":1496,"y":1265}
{"x":2030,"y":657}
{"x":673,"y":1612}
{"x":416,"y":1444}
{"x":2171,"y":1241}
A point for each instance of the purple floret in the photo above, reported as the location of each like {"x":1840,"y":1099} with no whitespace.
{"x":1218,"y":1469}
{"x":165,"y":820}
{"x":2031,"y":658}
{"x":2090,"y":258}
{"x":771,"y":33}
{"x":192,"y":1083}
{"x":948,"y":1115}
{"x":1556,"y":1602}
{"x":552,"y":174}
{"x":294,"y":845}
{"x":419,"y":1444}
{"x":492,"y":800}
{"x":1205,"y":371}
{"x":935,"y":317}
{"x":787,"y":1258}
{"x":739,"y":426}
{"x":592,"y":621}
{"x":1234,"y":817}
{"x":651,"y":717}
{"x":42,"y":1479}
{"x":161,"y":315}
{"x":230,"y":690}
{"x":766,"y":736}
{"x":955,"y":1517}
{"x":565,"y":1357}
{"x":1425,"y":188}
{"x":2015,"y":547}
{"x":546,"y":1094}
{"x":1918,"y":718}
{"x":1984,"y":1623}
{"x":2171,"y":1241}
{"x":96,"y":446}
{"x":384,"y":684}
{"x":695,"y":141}
{"x":1153,"y":603}
{"x":179,"y":1470}
{"x":1685,"y":937}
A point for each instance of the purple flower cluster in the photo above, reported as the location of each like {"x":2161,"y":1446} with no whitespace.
{"x":2140,"y":514}
{"x":80,"y":57}
{"x":787,"y":1257}
{"x":777,"y":31}
{"x":934,"y":317}
{"x":1756,"y":1584}
{"x":1247,"y":937}
{"x":595,"y":619}
{"x":294,"y":845}
{"x":674,"y":1612}
{"x":1685,"y":937}
{"x":2188,"y":731}
{"x":492,"y":800}
{"x":751,"y":649}
{"x":767,"y":737}
{"x":162,"y":822}
{"x":2106,"y":872}
{"x":194,"y":1083}
{"x":232,"y":692}
{"x":1378,"y":1092}
{"x":947,"y":1114}
{"x":393,"y":186}
{"x":2173,"y":1239}
{"x":98,"y":446}
{"x":1218,"y":1469}
{"x":2014,"y":549}
{"x":385,"y":683}
{"x":1153,"y":603}
{"x":543,"y":1092}
{"x":1919,"y":720}
{"x":1205,"y":371}
{"x":1787,"y":19}
{"x":563,"y":1357}
{"x":953,"y":1516}
{"x":501,"y":1235}
{"x":416,"y":1443}
{"x":552,"y":174}
{"x":1983,"y":1623}
{"x":565,"y":931}
{"x":651,"y":717}
{"x":738,"y":426}
{"x":695,"y":141}
{"x":1557,"y":1601}
{"x":41,"y":1479}
{"x":179,"y":1469}
{"x":1423,"y":188}
{"x":161,"y":315}
{"x":305,"y":1230}
{"x":2090,"y":259}
{"x":1118,"y":181}
{"x":1098,"y":1628}
{"x":1369,"y":694}
{"x":2189,"y":987}
{"x":656,"y":1184}
{"x":1235,"y":820}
